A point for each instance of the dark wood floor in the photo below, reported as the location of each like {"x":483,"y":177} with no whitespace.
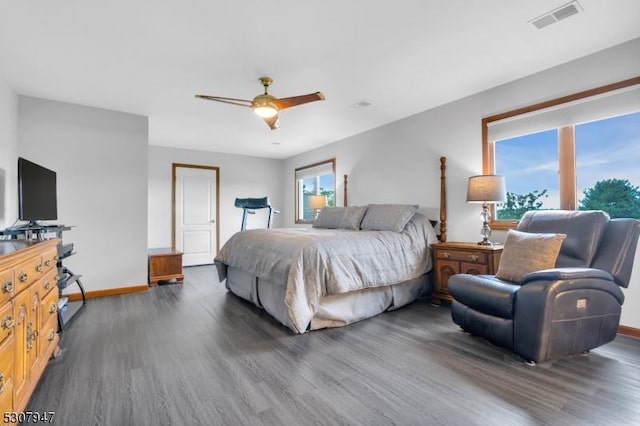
{"x":193,"y":354}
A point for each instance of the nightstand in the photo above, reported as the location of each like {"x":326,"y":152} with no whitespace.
{"x":461,"y":258}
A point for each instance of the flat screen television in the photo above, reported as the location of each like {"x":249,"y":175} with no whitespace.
{"x":37,"y":197}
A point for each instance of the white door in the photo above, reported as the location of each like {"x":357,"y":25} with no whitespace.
{"x":196,"y":214}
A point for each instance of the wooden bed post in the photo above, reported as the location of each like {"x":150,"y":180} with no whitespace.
{"x":443,"y":200}
{"x":344,"y":194}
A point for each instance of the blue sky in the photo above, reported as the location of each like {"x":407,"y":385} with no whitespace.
{"x":605,"y":149}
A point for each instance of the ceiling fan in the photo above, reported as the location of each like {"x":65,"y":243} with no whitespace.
{"x":267,"y":106}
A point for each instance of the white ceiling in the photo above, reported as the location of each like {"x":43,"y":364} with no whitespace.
{"x":150,"y":57}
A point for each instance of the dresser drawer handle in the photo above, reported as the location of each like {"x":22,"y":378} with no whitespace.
{"x":47,"y":262}
{"x":7,"y":286}
{"x":23,"y":277}
{"x":1,"y":382}
{"x":474,"y":257}
{"x":52,"y":335}
{"x":47,"y":285}
{"x":446,"y":255}
{"x":7,"y":322}
{"x":38,"y":267}
{"x":53,"y":308}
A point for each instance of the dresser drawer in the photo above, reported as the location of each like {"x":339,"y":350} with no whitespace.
{"x":48,"y":282}
{"x":49,"y":307}
{"x":462,"y":255}
{"x":7,"y":285}
{"x":28,"y":272}
{"x":49,"y":259}
{"x":7,"y":321}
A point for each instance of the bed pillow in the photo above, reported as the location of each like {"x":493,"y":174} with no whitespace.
{"x":387,"y":217}
{"x":329,"y":218}
{"x":353,"y":217}
{"x":526,"y":252}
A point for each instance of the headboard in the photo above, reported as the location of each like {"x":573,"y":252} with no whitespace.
{"x":443,"y":197}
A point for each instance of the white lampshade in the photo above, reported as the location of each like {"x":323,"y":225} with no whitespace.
{"x":486,"y":189}
{"x":317,"y":202}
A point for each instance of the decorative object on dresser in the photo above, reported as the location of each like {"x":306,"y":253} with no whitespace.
{"x":486,"y":189}
{"x":28,"y":320}
{"x":165,"y":264}
{"x":461,"y":258}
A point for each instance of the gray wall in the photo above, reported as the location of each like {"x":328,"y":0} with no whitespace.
{"x":398,"y":162}
{"x":8,"y":154}
{"x":100,"y":158}
{"x":240,"y":176}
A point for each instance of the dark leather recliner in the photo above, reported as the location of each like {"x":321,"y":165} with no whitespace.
{"x":557,"y":312}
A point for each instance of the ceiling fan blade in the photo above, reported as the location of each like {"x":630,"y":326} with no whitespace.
{"x":272,"y":122}
{"x":283,"y":103}
{"x":233,"y":101}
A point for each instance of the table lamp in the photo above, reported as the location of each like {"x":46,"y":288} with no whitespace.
{"x":317,"y":203}
{"x":486,"y":189}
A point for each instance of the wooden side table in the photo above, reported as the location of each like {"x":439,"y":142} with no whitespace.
{"x":164,"y":264}
{"x":461,"y":258}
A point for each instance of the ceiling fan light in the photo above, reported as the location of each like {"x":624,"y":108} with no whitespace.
{"x":265,"y":111}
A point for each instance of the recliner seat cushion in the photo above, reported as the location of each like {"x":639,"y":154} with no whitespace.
{"x":484,"y":293}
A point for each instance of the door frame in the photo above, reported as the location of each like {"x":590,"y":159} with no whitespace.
{"x":174,"y":166}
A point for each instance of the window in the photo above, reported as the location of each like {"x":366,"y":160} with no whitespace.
{"x":314,"y":179}
{"x":575,"y":152}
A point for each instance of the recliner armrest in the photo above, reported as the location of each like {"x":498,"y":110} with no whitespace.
{"x":559,"y":280}
{"x":553,"y":304}
{"x":566,"y":274}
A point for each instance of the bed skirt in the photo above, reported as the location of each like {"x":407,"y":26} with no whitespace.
{"x":333,"y":310}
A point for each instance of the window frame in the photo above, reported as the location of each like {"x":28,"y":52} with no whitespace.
{"x":296,"y":188}
{"x":566,"y":146}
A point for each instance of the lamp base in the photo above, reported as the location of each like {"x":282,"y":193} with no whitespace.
{"x":485,"y":216}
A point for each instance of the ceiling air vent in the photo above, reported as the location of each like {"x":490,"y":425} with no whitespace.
{"x":361,"y":104}
{"x":557,"y":14}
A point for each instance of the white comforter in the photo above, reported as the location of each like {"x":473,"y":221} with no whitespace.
{"x":317,"y":262}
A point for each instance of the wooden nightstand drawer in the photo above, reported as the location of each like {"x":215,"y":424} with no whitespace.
{"x":462,"y":255}
{"x":461,"y":258}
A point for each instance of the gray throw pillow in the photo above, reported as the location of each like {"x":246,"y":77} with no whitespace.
{"x":330,"y":218}
{"x":526,"y":252}
{"x":387,"y":217}
{"x":353,"y":217}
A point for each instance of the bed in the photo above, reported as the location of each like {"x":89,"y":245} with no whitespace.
{"x":354,"y":263}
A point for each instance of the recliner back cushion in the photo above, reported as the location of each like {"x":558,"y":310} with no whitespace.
{"x":618,"y":249}
{"x":584,"y":231}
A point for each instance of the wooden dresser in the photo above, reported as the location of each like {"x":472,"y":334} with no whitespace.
{"x":28,"y":317}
